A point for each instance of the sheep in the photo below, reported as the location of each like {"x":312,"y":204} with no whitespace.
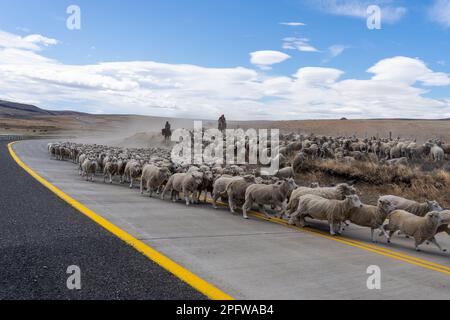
{"x":110,"y":168}
{"x":274,"y":195}
{"x":298,"y":162}
{"x":332,"y":193}
{"x":333,"y":211}
{"x":397,"y":161}
{"x":133,"y":170}
{"x":121,"y":169}
{"x":236,"y":190}
{"x":183,"y":182}
{"x":419,"y":209}
{"x":220,"y":187}
{"x":437,"y":153}
{"x":89,"y":168}
{"x":153,"y":178}
{"x":445,"y":223}
{"x":81,"y":159}
{"x":285,"y":173}
{"x":420,"y":228}
{"x":207,"y":185}
{"x":372,"y":217}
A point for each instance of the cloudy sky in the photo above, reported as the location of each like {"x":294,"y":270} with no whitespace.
{"x":249,"y":59}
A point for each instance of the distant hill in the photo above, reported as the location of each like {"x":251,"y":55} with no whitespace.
{"x":14,"y":109}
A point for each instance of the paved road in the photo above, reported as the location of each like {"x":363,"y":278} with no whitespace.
{"x":40,"y":236}
{"x":251,"y":259}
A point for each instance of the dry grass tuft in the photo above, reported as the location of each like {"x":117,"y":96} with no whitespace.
{"x":375,"y":179}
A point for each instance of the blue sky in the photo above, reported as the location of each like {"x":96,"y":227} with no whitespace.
{"x":334,"y":49}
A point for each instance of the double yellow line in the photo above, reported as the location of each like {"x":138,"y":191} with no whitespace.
{"x":354,"y":243}
{"x":362,"y":245}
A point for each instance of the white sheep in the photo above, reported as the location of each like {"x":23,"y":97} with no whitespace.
{"x":236,"y":190}
{"x":89,"y":168}
{"x":333,"y":193}
{"x":133,"y":170}
{"x":110,"y":168}
{"x":285,"y":173}
{"x":220,"y":187}
{"x":419,"y":209}
{"x":153,"y":178}
{"x":333,"y":211}
{"x":420,"y":228}
{"x":372,"y":217}
{"x":274,"y":195}
{"x":187,"y":183}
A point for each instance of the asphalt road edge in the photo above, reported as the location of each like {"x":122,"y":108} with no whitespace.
{"x":177,"y":270}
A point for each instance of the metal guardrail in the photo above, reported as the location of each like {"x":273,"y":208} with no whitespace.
{"x":14,"y":138}
{"x":19,"y":138}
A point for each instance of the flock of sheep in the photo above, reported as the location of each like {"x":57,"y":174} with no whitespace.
{"x":243,"y":186}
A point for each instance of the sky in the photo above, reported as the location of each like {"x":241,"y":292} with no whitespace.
{"x":247,"y":59}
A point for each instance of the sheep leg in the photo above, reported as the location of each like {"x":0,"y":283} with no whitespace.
{"x":247,"y":205}
{"x":383,"y":232}
{"x":142,"y":186}
{"x":230,"y":203}
{"x":332,"y":229}
{"x":263,"y":210}
{"x":131,"y":182}
{"x":164,"y":192}
{"x":296,"y":216}
{"x":149,"y":189}
{"x":215,"y":197}
{"x":372,"y":231}
{"x":110,"y":178}
{"x":186,"y":197}
{"x":434,"y":241}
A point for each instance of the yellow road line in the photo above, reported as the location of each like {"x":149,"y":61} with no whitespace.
{"x":193,"y":280}
{"x":357,"y":244}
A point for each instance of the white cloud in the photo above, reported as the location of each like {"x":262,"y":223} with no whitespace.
{"x":39,"y":39}
{"x":267,"y":57}
{"x":440,"y":12}
{"x":409,"y":71}
{"x":293,"y":24}
{"x":300,"y":44}
{"x":398,"y":87}
{"x":31,"y":42}
{"x":335,"y":51}
{"x":358,"y":8}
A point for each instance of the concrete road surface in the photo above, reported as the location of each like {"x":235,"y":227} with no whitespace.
{"x":252,"y":259}
{"x":41,"y":236}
